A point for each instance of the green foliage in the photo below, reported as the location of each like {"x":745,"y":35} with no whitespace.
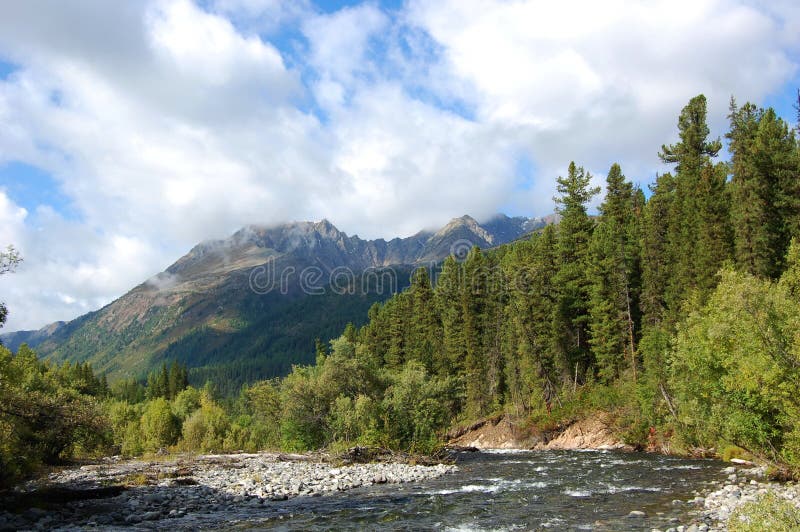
{"x":417,"y":406}
{"x":570,"y":313}
{"x":167,"y":382}
{"x":764,"y":188}
{"x":767,"y":512}
{"x":47,"y":414}
{"x":206,"y":428}
{"x":159,"y":425}
{"x":615,"y":278}
{"x":735,"y":368}
{"x":186,"y":402}
{"x":698,"y":239}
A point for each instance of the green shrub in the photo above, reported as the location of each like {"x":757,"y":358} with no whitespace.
{"x":159,"y":425}
{"x":734,"y":370}
{"x":186,"y":402}
{"x":732,"y":451}
{"x":206,"y":428}
{"x":767,"y":512}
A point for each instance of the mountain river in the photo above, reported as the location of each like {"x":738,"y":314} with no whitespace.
{"x":510,"y":490}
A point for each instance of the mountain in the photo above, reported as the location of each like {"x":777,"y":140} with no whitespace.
{"x":249,"y":306}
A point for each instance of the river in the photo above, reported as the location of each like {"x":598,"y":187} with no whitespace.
{"x":592,"y":490}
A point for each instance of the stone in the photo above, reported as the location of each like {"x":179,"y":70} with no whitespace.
{"x":637,"y":514}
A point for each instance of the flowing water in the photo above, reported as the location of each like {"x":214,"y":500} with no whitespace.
{"x":593,"y":490}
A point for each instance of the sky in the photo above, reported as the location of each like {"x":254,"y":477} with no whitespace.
{"x":130,"y":131}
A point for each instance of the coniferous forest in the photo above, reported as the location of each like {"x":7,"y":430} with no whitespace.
{"x":676,"y":310}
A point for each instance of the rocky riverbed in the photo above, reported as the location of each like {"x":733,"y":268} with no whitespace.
{"x":744,"y":484}
{"x":178,"y":492}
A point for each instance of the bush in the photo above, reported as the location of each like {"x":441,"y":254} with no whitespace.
{"x":159,"y":426}
{"x":43,"y":418}
{"x":186,"y":402}
{"x":734,"y":368}
{"x":767,"y":512}
{"x":206,"y":428}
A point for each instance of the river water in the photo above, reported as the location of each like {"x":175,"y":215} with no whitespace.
{"x":593,"y":490}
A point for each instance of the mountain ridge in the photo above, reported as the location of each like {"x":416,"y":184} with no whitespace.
{"x":206,"y":303}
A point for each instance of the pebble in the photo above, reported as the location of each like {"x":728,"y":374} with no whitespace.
{"x":218,"y":483}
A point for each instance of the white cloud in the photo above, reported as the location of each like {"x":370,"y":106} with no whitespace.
{"x":166,"y":124}
{"x":339,"y":42}
{"x":600,"y":82}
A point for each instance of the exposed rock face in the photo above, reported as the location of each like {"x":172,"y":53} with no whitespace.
{"x":590,"y":433}
{"x":496,"y":433}
{"x":504,"y":433}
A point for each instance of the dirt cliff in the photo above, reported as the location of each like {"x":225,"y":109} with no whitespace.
{"x":503,"y":432}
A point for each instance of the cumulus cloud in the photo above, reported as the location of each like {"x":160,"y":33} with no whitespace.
{"x":168,"y":122}
{"x":605,"y":81}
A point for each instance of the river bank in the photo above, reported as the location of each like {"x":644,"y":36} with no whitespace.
{"x":744,"y":485}
{"x":710,"y":508}
{"x":508,"y":487}
{"x":177,"y":491}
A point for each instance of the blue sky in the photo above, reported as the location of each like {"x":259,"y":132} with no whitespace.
{"x":132,"y":131}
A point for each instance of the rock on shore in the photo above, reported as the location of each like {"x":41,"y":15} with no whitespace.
{"x":183,"y":489}
{"x":743,"y":485}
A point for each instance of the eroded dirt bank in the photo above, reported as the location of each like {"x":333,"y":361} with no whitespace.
{"x":502,"y":432}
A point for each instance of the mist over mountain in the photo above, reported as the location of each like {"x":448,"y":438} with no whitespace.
{"x":251,"y":305}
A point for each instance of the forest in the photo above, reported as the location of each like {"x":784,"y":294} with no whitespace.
{"x":676,"y":311}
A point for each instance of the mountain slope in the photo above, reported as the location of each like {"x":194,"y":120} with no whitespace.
{"x":251,"y":305}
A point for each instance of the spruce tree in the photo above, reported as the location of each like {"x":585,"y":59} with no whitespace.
{"x":447,"y":297}
{"x":613,"y":269}
{"x":698,"y":213}
{"x":764,"y":188}
{"x":657,"y":265}
{"x":570,"y":318}
{"x":473,"y":304}
{"x":424,"y":343}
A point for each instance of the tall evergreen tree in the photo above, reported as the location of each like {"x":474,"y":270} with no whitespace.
{"x":614,"y":275}
{"x":530,"y":369}
{"x":424,"y":343}
{"x":764,"y":188}
{"x":657,"y":265}
{"x":570,"y":318}
{"x":697,"y":216}
{"x":474,"y":306}
{"x":447,"y":297}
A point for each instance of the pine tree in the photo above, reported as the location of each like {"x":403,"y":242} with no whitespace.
{"x":397,"y":330}
{"x":425,"y":335}
{"x":493,"y":331}
{"x":613,"y":268}
{"x":570,"y":318}
{"x":447,"y":297}
{"x":473,"y":304}
{"x":350,"y":333}
{"x":698,"y":209}
{"x":657,"y":265}
{"x":529,"y":364}
{"x":764,"y":188}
